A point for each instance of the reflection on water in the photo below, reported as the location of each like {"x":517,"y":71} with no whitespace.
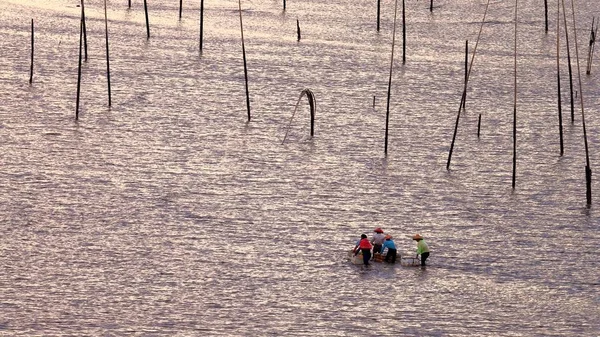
{"x":168,"y":214}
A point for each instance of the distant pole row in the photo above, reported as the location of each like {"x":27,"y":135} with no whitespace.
{"x":180,"y":16}
{"x":588,"y":170}
{"x":83,"y":55}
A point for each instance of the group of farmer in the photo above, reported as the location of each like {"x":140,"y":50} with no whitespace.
{"x":380,"y":242}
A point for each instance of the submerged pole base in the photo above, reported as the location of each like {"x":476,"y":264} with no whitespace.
{"x":588,"y":180}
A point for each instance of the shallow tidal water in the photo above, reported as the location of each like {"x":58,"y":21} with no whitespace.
{"x":169,"y":214}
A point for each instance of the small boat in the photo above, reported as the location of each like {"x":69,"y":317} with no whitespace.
{"x":403,"y":260}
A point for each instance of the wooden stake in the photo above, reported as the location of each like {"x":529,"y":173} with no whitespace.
{"x":298,"y":25}
{"x":478,"y":126}
{"x":283,"y":4}
{"x":180,"y":8}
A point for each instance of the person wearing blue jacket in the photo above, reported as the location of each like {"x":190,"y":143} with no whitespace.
{"x":391,"y":247}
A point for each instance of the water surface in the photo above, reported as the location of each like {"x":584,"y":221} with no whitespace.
{"x":169,"y":214}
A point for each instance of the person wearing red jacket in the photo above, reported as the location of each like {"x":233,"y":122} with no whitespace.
{"x":365,"y":247}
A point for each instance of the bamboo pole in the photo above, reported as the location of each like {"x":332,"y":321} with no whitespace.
{"x":465,"y":88}
{"x":79,"y":70}
{"x":593,"y":47}
{"x":387,"y":115}
{"x":107,"y":55}
{"x":588,"y":169}
{"x":431,"y":6}
{"x":312,"y":102}
{"x":514,"y":175}
{"x":403,"y":33}
{"x":244,"y":56}
{"x":147,"y":22}
{"x":466,"y":72}
{"x":201,"y":23}
{"x":569,"y":64}
{"x":378,"y":13}
{"x":84,"y":31}
{"x":298,"y":29}
{"x":478,"y":126}
{"x":560,"y":124}
{"x":32,"y":50}
{"x":129,"y":4}
{"x":180,"y":9}
{"x":283,"y":4}
{"x":546,"y":13}
{"x":588,"y":69}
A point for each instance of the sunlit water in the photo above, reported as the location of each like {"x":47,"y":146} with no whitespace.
{"x":168,"y":214}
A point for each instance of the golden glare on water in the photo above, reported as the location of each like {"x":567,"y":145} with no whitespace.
{"x":169,"y":214}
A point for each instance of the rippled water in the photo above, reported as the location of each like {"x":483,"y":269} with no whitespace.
{"x":168,"y":214}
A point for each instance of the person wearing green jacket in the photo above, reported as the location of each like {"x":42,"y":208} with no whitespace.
{"x":422,"y":248}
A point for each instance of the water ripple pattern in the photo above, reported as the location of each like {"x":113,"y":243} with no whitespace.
{"x":169,"y":215}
